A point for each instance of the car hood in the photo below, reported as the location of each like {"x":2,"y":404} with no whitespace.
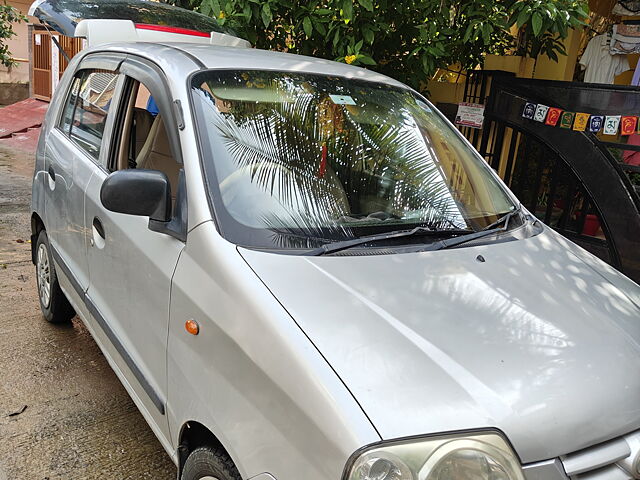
{"x":534,"y":340}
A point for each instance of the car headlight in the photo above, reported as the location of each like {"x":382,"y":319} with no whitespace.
{"x":477,"y":456}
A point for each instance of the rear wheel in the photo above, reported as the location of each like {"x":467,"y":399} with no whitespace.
{"x":53,"y":302}
{"x":207,"y":463}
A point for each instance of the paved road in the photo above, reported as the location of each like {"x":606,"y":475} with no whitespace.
{"x":79,"y":422}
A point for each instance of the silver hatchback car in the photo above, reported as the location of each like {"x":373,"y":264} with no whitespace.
{"x":300,"y":270}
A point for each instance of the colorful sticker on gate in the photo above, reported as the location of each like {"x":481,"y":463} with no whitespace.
{"x":541,"y":113}
{"x":628,"y":125}
{"x":566,"y":120}
{"x":553,"y":116}
{"x":581,"y":121}
{"x":595,"y":123}
{"x":611,"y":124}
{"x":529,"y":110}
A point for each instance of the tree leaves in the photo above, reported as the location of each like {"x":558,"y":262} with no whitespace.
{"x":405,"y":40}
{"x":307,"y":26}
{"x":347,"y":10}
{"x":544,"y":23}
{"x":367,"y":4}
{"x":523,"y":17}
{"x":368,"y":35}
{"x":266,"y":14}
{"x":536,"y":23}
{"x":366,"y":60}
{"x":8,"y":15}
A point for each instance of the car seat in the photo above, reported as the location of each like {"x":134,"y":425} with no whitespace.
{"x":156,"y":154}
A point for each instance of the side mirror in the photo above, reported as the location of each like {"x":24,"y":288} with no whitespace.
{"x":138,"y":192}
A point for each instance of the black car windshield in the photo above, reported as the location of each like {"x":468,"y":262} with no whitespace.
{"x":64,"y":15}
{"x":297,"y":160}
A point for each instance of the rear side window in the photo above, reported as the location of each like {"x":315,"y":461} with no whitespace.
{"x":67,"y":115}
{"x":87,"y":107}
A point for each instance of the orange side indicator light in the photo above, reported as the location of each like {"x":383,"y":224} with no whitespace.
{"x":192,"y":327}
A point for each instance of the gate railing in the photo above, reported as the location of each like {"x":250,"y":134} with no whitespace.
{"x":574,"y":181}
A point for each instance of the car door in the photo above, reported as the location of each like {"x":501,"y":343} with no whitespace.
{"x":130,"y":265}
{"x":73,"y":152}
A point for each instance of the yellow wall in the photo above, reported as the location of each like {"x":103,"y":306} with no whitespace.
{"x":547,"y":69}
{"x":446,"y":92}
{"x":522,"y":67}
{"x":626,"y":77}
{"x":543,"y":68}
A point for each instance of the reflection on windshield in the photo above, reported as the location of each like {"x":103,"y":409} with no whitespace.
{"x":318,"y":158}
{"x":64,"y":15}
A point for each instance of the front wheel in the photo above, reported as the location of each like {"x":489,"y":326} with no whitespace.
{"x":53,"y":302}
{"x":206,"y":463}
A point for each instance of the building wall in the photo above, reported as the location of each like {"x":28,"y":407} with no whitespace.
{"x":19,"y":47}
{"x":625,"y":78}
{"x":563,"y":69}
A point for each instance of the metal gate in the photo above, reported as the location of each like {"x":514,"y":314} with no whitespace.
{"x":48,"y":63}
{"x":573,"y":181}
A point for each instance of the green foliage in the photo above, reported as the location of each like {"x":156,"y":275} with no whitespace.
{"x":407,"y":40}
{"x":543,"y":23}
{"x":8,"y":15}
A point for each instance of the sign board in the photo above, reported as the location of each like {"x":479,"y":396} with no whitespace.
{"x":342,"y":99}
{"x":55,"y":64}
{"x":470,"y":115}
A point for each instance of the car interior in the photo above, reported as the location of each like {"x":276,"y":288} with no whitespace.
{"x":144,"y":142}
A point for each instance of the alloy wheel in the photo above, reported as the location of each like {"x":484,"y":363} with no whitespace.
{"x":43,"y":271}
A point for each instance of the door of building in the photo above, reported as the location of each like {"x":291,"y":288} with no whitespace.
{"x":48,"y":63}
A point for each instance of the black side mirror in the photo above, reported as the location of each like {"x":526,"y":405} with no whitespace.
{"x":138,"y":192}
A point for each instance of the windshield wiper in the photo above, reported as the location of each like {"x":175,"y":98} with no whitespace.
{"x":345,"y":244}
{"x":458,"y":236}
{"x":506,"y":218}
{"x":485,"y":232}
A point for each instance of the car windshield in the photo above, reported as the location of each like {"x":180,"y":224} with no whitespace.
{"x":64,"y":15}
{"x":298,"y":160}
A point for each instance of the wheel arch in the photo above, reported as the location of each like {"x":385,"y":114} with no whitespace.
{"x":194,"y":434}
{"x":37,"y":225}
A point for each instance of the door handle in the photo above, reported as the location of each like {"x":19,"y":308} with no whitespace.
{"x":97,"y":224}
{"x":52,"y":173}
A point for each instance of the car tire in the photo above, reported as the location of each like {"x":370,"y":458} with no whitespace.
{"x":207,"y":463}
{"x":53,"y":302}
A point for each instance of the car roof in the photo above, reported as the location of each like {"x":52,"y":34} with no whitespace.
{"x":234,"y":58}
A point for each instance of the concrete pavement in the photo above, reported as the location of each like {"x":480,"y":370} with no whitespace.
{"x":63,"y":413}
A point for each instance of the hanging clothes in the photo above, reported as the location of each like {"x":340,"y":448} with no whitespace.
{"x":625,"y":39}
{"x":626,"y":8}
{"x":600,"y":65}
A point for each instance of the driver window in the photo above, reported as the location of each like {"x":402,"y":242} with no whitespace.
{"x":85,"y":114}
{"x":145,"y":143}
